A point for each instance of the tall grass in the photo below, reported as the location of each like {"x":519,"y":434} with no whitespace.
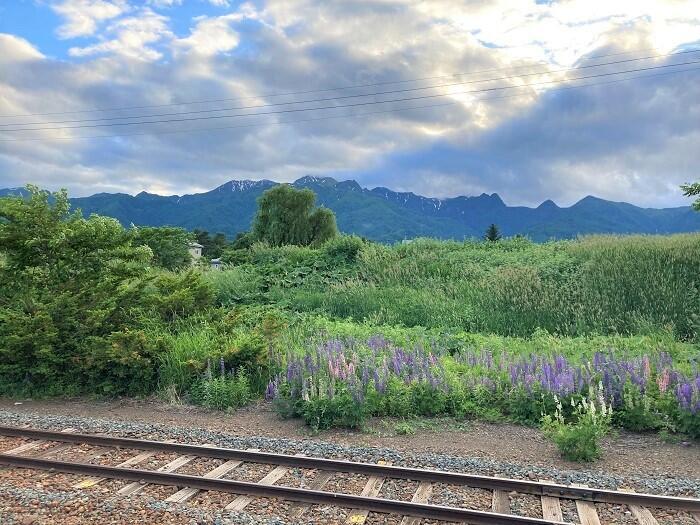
{"x":595,"y":285}
{"x":187,"y":351}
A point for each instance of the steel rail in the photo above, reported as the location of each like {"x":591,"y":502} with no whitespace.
{"x":434,"y":476}
{"x":406,"y":508}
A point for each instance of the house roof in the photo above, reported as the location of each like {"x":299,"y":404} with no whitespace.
{"x":195,"y":245}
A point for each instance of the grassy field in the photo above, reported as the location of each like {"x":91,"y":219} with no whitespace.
{"x":598,"y":285}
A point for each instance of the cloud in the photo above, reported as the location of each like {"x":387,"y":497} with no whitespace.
{"x":82,"y":17}
{"x":164,"y":3}
{"x":17,"y":49}
{"x":631,"y":141}
{"x":211,"y":35}
{"x":132,"y":37}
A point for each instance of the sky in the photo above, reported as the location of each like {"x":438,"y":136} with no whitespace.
{"x":533,"y":100}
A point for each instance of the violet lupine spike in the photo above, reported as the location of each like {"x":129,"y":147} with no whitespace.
{"x":272,"y":390}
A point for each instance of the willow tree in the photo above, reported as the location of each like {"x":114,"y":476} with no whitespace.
{"x":287,"y":215}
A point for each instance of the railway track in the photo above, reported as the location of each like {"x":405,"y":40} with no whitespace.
{"x":550,"y":495}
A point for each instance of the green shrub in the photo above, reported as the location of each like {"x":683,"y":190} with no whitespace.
{"x":427,"y":400}
{"x":579,"y":440}
{"x":638,"y":412}
{"x":237,"y":285}
{"x":689,"y":424}
{"x":404,"y":428}
{"x":341,"y":410}
{"x":224,"y":392}
{"x":175,"y":296}
{"x":344,"y":249}
{"x":124,"y":364}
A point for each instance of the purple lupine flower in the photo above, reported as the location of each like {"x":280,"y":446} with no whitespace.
{"x":272,"y":390}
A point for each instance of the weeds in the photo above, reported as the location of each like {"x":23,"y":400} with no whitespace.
{"x":579,"y":439}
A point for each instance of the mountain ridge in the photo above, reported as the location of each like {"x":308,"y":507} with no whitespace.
{"x":388,"y":216}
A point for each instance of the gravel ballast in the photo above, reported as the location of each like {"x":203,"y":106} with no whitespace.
{"x":19,"y":502}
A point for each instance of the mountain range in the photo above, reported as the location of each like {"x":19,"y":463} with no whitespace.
{"x":388,"y":216}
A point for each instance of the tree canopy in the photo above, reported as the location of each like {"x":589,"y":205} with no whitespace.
{"x":287,"y":215}
{"x":168,"y":244}
{"x":212,"y":246}
{"x":73,"y":294}
{"x":692,"y":190}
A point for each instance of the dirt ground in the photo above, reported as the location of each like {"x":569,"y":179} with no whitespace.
{"x":624,"y":453}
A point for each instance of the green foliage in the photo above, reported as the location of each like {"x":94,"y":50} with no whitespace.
{"x":639,"y":412}
{"x":243,"y":241}
{"x":67,"y":284}
{"x":344,"y":249}
{"x":404,"y":428}
{"x":186,"y":357}
{"x":322,"y":226}
{"x":689,"y":424}
{"x":168,"y":244}
{"x":596,"y":285}
{"x":179,"y":295}
{"x":579,"y":440}
{"x":341,"y":410}
{"x":492,"y":234}
{"x":692,"y":190}
{"x":124,"y":363}
{"x":212,"y":247}
{"x":286,"y":216}
{"x":224,"y":392}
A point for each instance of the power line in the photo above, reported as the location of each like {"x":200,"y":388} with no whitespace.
{"x":388,"y":92}
{"x":126,"y":108}
{"x":333,"y":117}
{"x":356,"y":104}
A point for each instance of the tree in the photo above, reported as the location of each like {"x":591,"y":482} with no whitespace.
{"x":75,"y":296}
{"x":692,"y":190}
{"x":67,"y":286}
{"x":243,"y":241}
{"x":217,"y":246}
{"x":492,"y":234}
{"x":286,"y":215}
{"x":168,"y":244}
{"x":212,"y":247}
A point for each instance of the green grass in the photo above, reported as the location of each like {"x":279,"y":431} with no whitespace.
{"x":186,"y":356}
{"x":596,"y":285}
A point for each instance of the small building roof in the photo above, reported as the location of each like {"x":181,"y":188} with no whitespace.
{"x":195,"y":245}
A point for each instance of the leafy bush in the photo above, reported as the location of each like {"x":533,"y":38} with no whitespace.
{"x":66,"y":285}
{"x":638,"y":412}
{"x":579,"y":440}
{"x":223,"y":392}
{"x":343,"y":249}
{"x":124,"y":363}
{"x":168,"y":244}
{"x":178,"y":295}
{"x":341,"y":410}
